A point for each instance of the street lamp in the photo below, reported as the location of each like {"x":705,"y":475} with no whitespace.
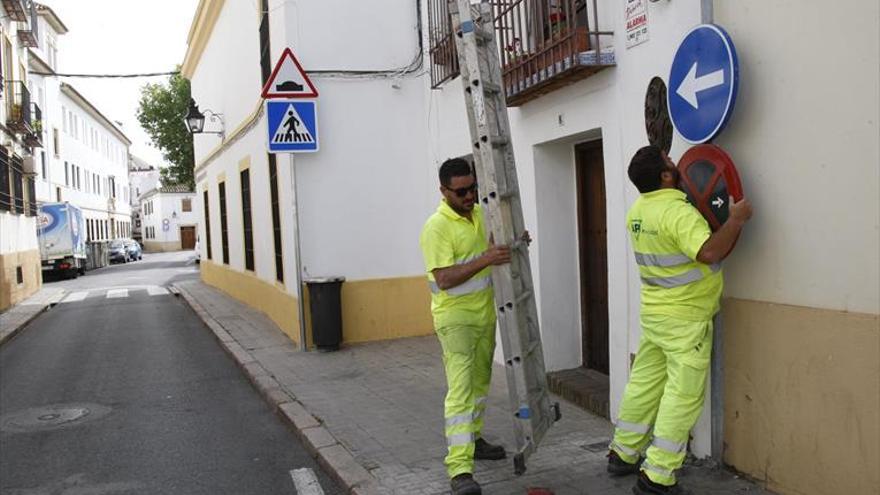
{"x":195,"y":120}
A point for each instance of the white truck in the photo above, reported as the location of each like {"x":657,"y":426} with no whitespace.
{"x":62,"y":236}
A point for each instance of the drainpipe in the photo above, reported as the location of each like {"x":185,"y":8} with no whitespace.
{"x":707,"y":16}
{"x":303,"y":346}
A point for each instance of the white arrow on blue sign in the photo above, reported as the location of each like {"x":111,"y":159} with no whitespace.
{"x":703,"y":82}
{"x":292,"y":126}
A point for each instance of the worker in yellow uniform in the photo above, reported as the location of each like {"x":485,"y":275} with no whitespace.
{"x":458,"y":260}
{"x":678,"y":258}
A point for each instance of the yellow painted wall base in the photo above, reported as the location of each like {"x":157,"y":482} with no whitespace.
{"x":802,"y":397}
{"x":378,"y":309}
{"x":11,"y":292}
{"x":279,"y":306}
{"x":161,"y":247}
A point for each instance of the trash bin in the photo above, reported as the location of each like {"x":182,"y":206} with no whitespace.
{"x":326,"y":308}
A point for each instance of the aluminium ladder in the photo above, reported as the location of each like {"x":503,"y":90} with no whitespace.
{"x":530,"y":406}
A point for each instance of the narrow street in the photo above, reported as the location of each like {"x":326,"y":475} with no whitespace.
{"x":121,"y":389}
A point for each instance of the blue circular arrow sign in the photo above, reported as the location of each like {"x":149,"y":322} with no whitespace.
{"x":703,"y":82}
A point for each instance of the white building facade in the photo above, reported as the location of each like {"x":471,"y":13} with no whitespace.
{"x":801,"y":305}
{"x":169,"y":221}
{"x":84,"y":160}
{"x":142,"y":178}
{"x":20,"y":123}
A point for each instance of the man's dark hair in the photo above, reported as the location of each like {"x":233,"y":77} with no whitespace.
{"x":645,"y":168}
{"x":454,"y":167}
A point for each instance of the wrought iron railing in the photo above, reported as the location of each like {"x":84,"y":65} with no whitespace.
{"x":441,"y":43}
{"x":542,"y":44}
{"x":18,"y":107}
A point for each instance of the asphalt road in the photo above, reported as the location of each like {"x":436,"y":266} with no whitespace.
{"x":122,"y":390}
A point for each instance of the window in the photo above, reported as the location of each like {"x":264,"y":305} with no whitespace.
{"x":66,"y":174}
{"x":5,"y":181}
{"x":44,"y":168}
{"x":32,"y":196}
{"x":19,"y":275}
{"x":441,"y":42}
{"x":207,"y":224}
{"x":224,"y":233}
{"x":56,"y":142}
{"x":276,"y":217}
{"x":247,"y":222}
{"x":17,"y":185}
{"x":186,"y":205}
{"x":265,"y":55}
{"x":64,"y":117}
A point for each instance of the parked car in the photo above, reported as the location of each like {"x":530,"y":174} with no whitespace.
{"x":134,"y":249}
{"x":118,"y":252}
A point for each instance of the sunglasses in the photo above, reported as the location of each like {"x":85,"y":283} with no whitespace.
{"x":463,"y":191}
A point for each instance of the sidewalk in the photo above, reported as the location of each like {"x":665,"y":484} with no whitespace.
{"x":373,"y":414}
{"x":14,"y":319}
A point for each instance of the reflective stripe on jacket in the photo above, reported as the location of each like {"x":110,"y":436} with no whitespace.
{"x":449,"y":239}
{"x":666,"y":234}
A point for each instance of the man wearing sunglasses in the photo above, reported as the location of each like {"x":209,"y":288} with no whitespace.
{"x":458,"y":259}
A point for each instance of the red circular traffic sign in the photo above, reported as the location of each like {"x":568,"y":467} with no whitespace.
{"x":709,"y":178}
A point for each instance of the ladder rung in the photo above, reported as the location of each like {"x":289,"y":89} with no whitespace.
{"x":496,"y":141}
{"x":488,"y":87}
{"x":522,"y":297}
{"x":482,"y":35}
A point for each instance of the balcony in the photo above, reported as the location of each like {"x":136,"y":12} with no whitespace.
{"x":18,"y":108}
{"x":16,"y":10}
{"x":547,"y":44}
{"x":543,"y":45}
{"x":34,"y":139}
{"x":27,"y":38}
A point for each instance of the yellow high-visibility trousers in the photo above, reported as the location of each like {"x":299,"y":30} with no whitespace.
{"x":467,"y":358}
{"x":664,"y":396}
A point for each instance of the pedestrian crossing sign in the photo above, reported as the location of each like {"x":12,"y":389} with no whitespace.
{"x":292,"y":126}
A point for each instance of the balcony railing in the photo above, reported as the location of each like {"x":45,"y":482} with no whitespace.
{"x":27,"y":38}
{"x":547,"y":44}
{"x":18,"y":108}
{"x":543,"y":45}
{"x":34,"y":139}
{"x":17,"y":10}
{"x":444,"y":56}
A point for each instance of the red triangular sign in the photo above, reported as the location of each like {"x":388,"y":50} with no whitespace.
{"x":289,"y":80}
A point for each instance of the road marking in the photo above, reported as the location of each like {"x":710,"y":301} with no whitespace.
{"x":155,"y":290}
{"x":111,"y":294}
{"x":306,"y":483}
{"x":75,"y":297}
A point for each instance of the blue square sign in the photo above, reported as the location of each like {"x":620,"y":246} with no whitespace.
{"x":292,"y":126}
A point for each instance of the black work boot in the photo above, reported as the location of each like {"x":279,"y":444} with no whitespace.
{"x":464,"y":484}
{"x":619,"y":467}
{"x":644,"y":486}
{"x":485,"y":451}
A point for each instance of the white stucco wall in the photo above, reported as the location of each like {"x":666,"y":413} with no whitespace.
{"x":169,"y":206}
{"x":18,"y":233}
{"x":805,"y":138}
{"x":373,"y":141}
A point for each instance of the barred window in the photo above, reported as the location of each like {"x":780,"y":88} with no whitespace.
{"x":5,"y":181}
{"x":17,"y":185}
{"x":444,"y":56}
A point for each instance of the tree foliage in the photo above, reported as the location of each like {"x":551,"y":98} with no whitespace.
{"x":161,"y":114}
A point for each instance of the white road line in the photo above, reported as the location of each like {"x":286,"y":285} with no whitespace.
{"x":306,"y":483}
{"x":155,"y":290}
{"x":111,"y":294}
{"x":75,"y":297}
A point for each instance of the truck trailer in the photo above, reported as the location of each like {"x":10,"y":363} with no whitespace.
{"x":61,"y":232}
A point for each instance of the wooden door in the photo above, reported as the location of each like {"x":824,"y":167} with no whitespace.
{"x":187,"y":238}
{"x":592,"y":234}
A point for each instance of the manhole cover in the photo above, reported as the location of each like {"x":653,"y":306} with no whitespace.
{"x":51,"y":417}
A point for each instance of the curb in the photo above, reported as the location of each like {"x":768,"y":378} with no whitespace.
{"x":9,"y":336}
{"x":319,"y":442}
